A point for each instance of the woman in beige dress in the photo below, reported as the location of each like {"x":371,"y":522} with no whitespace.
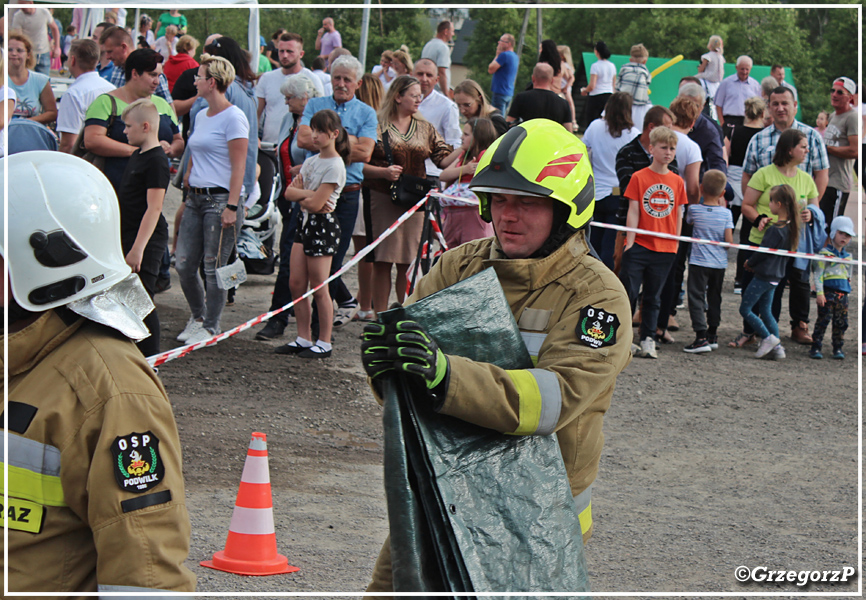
{"x":412,"y":140}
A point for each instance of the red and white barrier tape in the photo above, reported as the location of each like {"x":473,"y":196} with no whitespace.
{"x":164,"y":357}
{"x":683,"y":238}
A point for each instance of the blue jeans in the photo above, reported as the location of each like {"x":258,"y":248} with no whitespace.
{"x":501,"y":102}
{"x":43,"y":63}
{"x":199,"y":238}
{"x":641,"y":266}
{"x":759,"y":295}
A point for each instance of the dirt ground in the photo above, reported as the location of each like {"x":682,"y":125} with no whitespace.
{"x":711,"y":461}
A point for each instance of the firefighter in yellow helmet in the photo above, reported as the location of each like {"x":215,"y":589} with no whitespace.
{"x":535,"y":185}
{"x":96,"y":494}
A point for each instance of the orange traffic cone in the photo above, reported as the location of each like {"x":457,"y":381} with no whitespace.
{"x":251,"y":546}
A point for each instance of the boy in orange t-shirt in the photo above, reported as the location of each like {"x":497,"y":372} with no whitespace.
{"x":656,"y":199}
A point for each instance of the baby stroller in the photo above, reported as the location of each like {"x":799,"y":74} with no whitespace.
{"x":258,"y":234}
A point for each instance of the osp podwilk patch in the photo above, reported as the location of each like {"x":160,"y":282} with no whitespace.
{"x":597,"y":327}
{"x":137,"y":464}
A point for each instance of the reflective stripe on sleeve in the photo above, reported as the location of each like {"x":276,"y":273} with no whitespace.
{"x":583,"y":506}
{"x":540,"y":401}
{"x":34,"y":471}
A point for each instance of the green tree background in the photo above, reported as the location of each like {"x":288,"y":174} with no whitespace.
{"x":816,"y":43}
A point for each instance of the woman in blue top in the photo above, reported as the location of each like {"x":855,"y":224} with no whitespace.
{"x":33,"y":90}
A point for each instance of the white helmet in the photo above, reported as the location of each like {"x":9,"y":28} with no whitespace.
{"x":64,"y":230}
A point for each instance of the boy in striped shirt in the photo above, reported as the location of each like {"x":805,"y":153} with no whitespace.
{"x":707,"y":263}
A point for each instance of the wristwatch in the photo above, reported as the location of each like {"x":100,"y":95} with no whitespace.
{"x":232,"y":207}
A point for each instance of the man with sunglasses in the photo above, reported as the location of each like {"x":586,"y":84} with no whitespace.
{"x":840,"y":137}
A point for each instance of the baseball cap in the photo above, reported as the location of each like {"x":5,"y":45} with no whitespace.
{"x":846,"y":84}
{"x":843,"y":224}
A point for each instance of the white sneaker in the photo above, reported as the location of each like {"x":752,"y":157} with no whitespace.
{"x":199,"y":336}
{"x":648,"y":348}
{"x":766,"y":346}
{"x":192,"y":326}
{"x":778,"y":352}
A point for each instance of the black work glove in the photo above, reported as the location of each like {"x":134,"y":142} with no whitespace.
{"x":374,"y":350}
{"x":414,"y":352}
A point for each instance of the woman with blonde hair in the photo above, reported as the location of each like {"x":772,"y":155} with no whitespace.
{"x":33,"y":90}
{"x":472,"y":103}
{"x":182,"y":61}
{"x":566,"y":80}
{"x":402,"y":63}
{"x":214,"y":177}
{"x":405,"y":141}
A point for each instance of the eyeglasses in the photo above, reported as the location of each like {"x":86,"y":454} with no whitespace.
{"x":837,"y":92}
{"x":198,"y":78}
{"x":415,"y":97}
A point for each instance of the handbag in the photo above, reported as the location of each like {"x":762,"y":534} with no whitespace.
{"x":82,"y":152}
{"x":231,"y":275}
{"x":408,"y":190}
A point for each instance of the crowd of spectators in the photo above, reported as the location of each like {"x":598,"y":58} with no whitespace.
{"x":410,"y":118}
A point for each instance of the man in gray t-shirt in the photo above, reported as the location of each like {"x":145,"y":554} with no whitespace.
{"x":840,"y":138}
{"x":439,"y":52}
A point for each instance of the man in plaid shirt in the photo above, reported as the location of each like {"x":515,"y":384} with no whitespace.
{"x":117,"y":44}
{"x":762,"y":146}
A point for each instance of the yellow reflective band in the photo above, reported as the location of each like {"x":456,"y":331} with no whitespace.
{"x":43,"y":489}
{"x":530,"y":401}
{"x":23,"y":515}
{"x":585,"y":518}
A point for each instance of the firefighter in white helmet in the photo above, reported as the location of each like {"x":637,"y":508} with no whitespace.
{"x":96,"y":495}
{"x":535,"y":185}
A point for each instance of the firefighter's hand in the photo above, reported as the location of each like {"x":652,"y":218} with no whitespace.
{"x":416,"y":353}
{"x":375,"y":351}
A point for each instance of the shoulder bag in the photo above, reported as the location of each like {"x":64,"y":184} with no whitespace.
{"x":408,"y":189}
{"x":81,"y":151}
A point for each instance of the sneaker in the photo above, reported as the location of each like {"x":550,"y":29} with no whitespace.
{"x":344,"y":315}
{"x":199,"y":336}
{"x":636,"y":351}
{"x":698,"y":346}
{"x":778,"y":352}
{"x":314,"y":352}
{"x":272,"y":330}
{"x":738,"y":291}
{"x":863,"y":349}
{"x":766,"y":346}
{"x":838,"y":354}
{"x":192,"y":327}
{"x":713,"y":340}
{"x":648,"y":348}
{"x":815,"y":353}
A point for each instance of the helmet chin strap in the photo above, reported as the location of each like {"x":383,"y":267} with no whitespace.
{"x":559,"y":233}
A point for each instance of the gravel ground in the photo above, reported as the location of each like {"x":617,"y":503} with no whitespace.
{"x":710,"y":462}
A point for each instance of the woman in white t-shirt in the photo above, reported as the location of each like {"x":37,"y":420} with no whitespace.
{"x":384,"y":71}
{"x":604,"y":138}
{"x":214,"y":177}
{"x":602,"y":79}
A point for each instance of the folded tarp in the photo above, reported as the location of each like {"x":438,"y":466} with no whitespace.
{"x":471,"y":509}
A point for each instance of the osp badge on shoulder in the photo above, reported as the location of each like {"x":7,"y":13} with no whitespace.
{"x":137,"y":464}
{"x":597,"y":327}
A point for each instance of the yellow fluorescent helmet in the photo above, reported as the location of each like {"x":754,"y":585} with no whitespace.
{"x":538,"y":158}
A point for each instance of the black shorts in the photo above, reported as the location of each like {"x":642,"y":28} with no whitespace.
{"x":319,"y":234}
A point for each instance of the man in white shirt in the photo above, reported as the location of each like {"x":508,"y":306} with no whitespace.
{"x":437,"y":109}
{"x":439,"y":52}
{"x":272,"y":103}
{"x":83,"y":58}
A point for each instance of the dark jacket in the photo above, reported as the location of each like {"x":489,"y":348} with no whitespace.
{"x":771,"y":267}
